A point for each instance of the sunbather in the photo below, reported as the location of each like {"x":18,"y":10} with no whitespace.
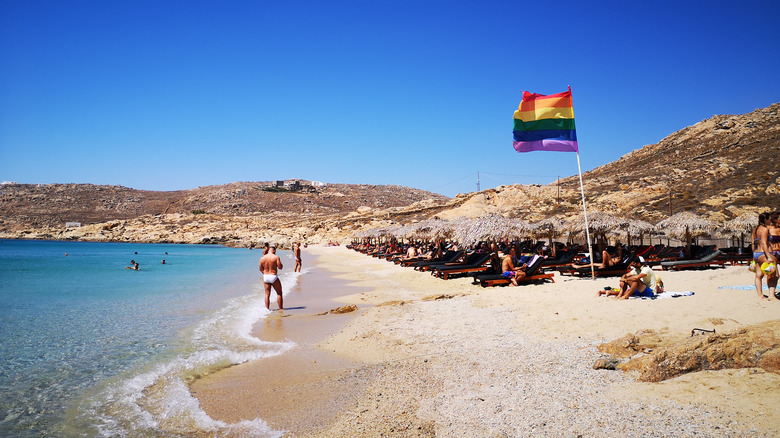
{"x":509,"y":269}
{"x":607,"y":259}
{"x":641,"y":284}
{"x":623,"y":285}
{"x":411,"y":253}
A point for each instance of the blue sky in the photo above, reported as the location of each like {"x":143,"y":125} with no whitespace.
{"x":169,"y":95}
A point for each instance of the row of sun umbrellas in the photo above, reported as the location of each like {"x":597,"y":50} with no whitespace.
{"x":683,"y":226}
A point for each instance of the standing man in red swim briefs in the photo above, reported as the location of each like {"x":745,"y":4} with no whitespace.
{"x":269,"y":266}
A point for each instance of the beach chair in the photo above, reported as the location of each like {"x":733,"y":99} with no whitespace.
{"x":407,"y":262}
{"x":708,"y":260}
{"x":617,"y":269}
{"x":477,"y":262}
{"x":447,"y":257}
{"x":736,"y":256}
{"x":469,"y":259}
{"x":564,"y":258}
{"x":532,"y":275}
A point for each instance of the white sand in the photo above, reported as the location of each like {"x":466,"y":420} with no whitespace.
{"x":518,"y":361}
{"x":507,"y":361}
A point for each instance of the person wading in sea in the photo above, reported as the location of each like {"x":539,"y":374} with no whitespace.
{"x":269,"y":265}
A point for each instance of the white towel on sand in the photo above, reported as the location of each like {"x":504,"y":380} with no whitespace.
{"x":666,"y":294}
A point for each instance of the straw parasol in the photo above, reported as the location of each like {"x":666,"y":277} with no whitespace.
{"x":599,"y":223}
{"x":741,"y":224}
{"x":638,"y":227}
{"x":685,"y":226}
{"x":550,"y":228}
{"x":491,"y":227}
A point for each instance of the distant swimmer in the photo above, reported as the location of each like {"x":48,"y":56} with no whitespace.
{"x":134,"y":267}
{"x":265,"y":248}
{"x":269,"y":265}
{"x":163,"y":261}
{"x":297,"y":253}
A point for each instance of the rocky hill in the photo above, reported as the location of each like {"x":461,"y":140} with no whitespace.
{"x":718,"y":168}
{"x":52,"y":205}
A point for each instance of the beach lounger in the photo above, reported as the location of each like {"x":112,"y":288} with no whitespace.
{"x":407,"y":262}
{"x":736,"y":256}
{"x":531,"y":275}
{"x":707,"y":261}
{"x":564,"y":258}
{"x":447,"y":257}
{"x":469,"y":259}
{"x":610,"y":271}
{"x":478,"y":263}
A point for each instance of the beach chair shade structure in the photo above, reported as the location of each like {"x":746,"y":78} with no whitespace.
{"x":633,"y":228}
{"x":739,"y":226}
{"x":550,"y":228}
{"x":685,"y":226}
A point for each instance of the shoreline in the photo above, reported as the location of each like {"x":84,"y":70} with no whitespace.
{"x":301,"y":389}
{"x":451,"y":358}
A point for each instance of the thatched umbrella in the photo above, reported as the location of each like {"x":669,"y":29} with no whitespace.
{"x":550,"y":228}
{"x":685,"y":226}
{"x":600,"y":224}
{"x":442,"y":229}
{"x":742,"y":224}
{"x":521,"y":228}
{"x":491,"y":227}
{"x":469,"y":230}
{"x":638,"y":227}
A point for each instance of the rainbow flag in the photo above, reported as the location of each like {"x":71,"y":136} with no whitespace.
{"x":545,"y":123}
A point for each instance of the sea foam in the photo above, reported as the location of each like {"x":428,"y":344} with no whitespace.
{"x":158,"y":401}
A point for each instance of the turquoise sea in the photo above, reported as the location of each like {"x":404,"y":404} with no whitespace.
{"x":90,"y":348}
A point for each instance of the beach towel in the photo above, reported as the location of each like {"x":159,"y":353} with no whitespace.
{"x":746,"y":287}
{"x":666,"y":294}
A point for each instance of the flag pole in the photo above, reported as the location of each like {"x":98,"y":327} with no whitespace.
{"x":585,"y":212}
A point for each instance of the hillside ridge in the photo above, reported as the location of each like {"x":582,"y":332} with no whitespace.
{"x":719,"y":168}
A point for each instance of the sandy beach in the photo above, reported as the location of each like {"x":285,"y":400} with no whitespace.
{"x":428,"y":357}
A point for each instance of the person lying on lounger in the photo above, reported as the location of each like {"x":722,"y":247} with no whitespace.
{"x":607,"y":259}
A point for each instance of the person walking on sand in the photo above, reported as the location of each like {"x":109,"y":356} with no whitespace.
{"x":297,"y":253}
{"x":269,"y":265}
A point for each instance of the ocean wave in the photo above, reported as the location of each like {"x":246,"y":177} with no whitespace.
{"x":157,"y":402}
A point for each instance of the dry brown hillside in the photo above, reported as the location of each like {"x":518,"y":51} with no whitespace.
{"x":719,"y":168}
{"x":55,"y":204}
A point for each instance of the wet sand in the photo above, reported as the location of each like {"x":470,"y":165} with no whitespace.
{"x":299,"y":390}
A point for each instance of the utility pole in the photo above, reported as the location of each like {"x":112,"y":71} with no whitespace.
{"x":478,"y":189}
{"x":559,"y":189}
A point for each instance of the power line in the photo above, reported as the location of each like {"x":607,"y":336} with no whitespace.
{"x":471,"y":175}
{"x":511,"y":174}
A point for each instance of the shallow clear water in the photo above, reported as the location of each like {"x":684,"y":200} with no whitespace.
{"x":92,"y":349}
